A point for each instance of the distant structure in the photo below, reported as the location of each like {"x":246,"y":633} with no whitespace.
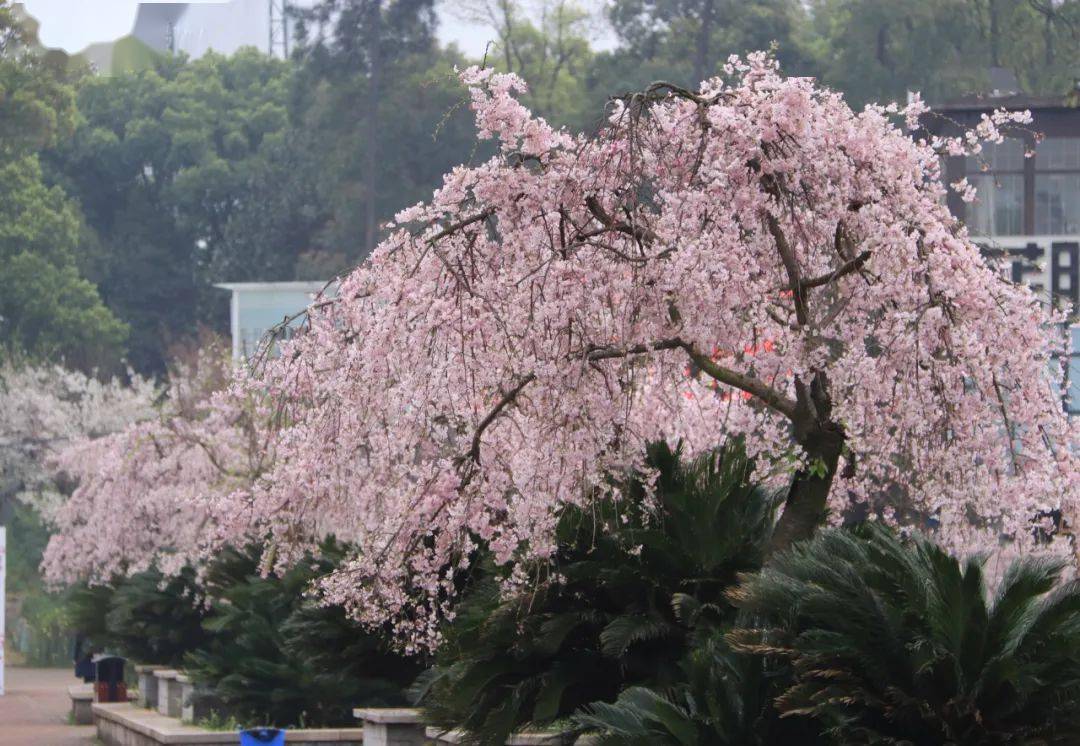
{"x":155,"y":25}
{"x":219,"y":25}
{"x":279,"y":29}
{"x":257,"y":307}
{"x":1027,"y":210}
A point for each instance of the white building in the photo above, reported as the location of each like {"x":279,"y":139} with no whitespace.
{"x":258,"y":307}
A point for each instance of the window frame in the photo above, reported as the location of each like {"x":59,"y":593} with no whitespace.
{"x":1068,"y":170}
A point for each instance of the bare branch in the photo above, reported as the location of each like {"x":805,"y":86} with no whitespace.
{"x":846,"y":269}
{"x":791,"y":265}
{"x":770,"y":396}
{"x":609,"y":223}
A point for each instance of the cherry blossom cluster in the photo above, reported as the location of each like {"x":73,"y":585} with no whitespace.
{"x":45,"y":409}
{"x":753,"y":258}
{"x":167,"y":491}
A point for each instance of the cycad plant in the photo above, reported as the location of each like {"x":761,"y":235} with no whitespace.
{"x":276,"y":658}
{"x":636,"y":576}
{"x":896,"y":642}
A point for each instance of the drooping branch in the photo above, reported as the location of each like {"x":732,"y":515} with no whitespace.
{"x":594,"y":354}
{"x":506,"y":400}
{"x":463,"y":223}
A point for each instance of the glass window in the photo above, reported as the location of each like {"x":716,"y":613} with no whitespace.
{"x":1007,"y":155}
{"x":999,"y":206}
{"x":1058,"y":154}
{"x":1072,"y":372}
{"x":1057,"y":203}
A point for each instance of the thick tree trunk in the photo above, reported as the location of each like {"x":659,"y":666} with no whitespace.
{"x":804,"y":508}
{"x":823,"y":441}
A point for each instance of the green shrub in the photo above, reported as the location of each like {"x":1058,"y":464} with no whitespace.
{"x":157,"y":619}
{"x":723,"y":699}
{"x":276,"y":658}
{"x":894,"y":642}
{"x":147,"y":617}
{"x":88,"y":608}
{"x":628,"y":568}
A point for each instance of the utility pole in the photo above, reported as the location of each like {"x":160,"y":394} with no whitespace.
{"x":279,"y":28}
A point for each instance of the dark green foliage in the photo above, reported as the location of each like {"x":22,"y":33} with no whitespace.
{"x":147,"y":617}
{"x":87,"y":607}
{"x":154,"y":619}
{"x":723,"y":700}
{"x":894,"y":642}
{"x":635,"y":582}
{"x":175,"y":168}
{"x":276,"y":659}
{"x":45,"y":640}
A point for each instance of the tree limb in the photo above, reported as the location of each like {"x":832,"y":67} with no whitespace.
{"x":770,"y":396}
{"x":846,"y":269}
{"x":791,"y":265}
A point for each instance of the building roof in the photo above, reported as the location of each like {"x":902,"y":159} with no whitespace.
{"x":310,"y":286}
{"x":985,"y":102}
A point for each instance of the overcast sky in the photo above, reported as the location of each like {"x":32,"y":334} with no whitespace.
{"x":74,"y":24}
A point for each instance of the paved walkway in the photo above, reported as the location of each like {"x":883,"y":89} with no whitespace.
{"x":34,"y":712}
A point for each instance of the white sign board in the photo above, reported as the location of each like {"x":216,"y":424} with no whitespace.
{"x":3,"y":600}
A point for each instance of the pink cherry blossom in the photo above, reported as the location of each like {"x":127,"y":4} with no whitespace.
{"x":527,"y":331}
{"x":751,"y":260}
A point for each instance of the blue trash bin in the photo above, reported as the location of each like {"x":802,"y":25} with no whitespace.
{"x":262,"y":737}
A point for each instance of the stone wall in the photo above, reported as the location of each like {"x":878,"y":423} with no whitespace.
{"x":128,"y":725}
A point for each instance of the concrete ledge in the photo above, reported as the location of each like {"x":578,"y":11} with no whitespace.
{"x":516,"y":739}
{"x":389,"y":715}
{"x":82,"y":696}
{"x":148,"y":684}
{"x":168,"y":692}
{"x":391,"y":726}
{"x":148,"y":668}
{"x":121,"y":724}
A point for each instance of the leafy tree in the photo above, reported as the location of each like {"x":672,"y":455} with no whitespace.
{"x":896,"y":642}
{"x":635,"y":576}
{"x":37,"y":102}
{"x":48,"y":311}
{"x":687,"y":41}
{"x":422,"y":132}
{"x":363,"y":45}
{"x":547,"y":44}
{"x":875,"y":50}
{"x":177,"y":169}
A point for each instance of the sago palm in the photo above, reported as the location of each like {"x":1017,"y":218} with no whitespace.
{"x":610,"y":620}
{"x":896,"y":642}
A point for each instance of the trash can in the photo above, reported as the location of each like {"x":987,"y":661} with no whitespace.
{"x":109,"y":683}
{"x":262,"y":737}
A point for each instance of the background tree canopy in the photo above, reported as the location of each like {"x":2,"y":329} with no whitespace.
{"x":126,"y":197}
